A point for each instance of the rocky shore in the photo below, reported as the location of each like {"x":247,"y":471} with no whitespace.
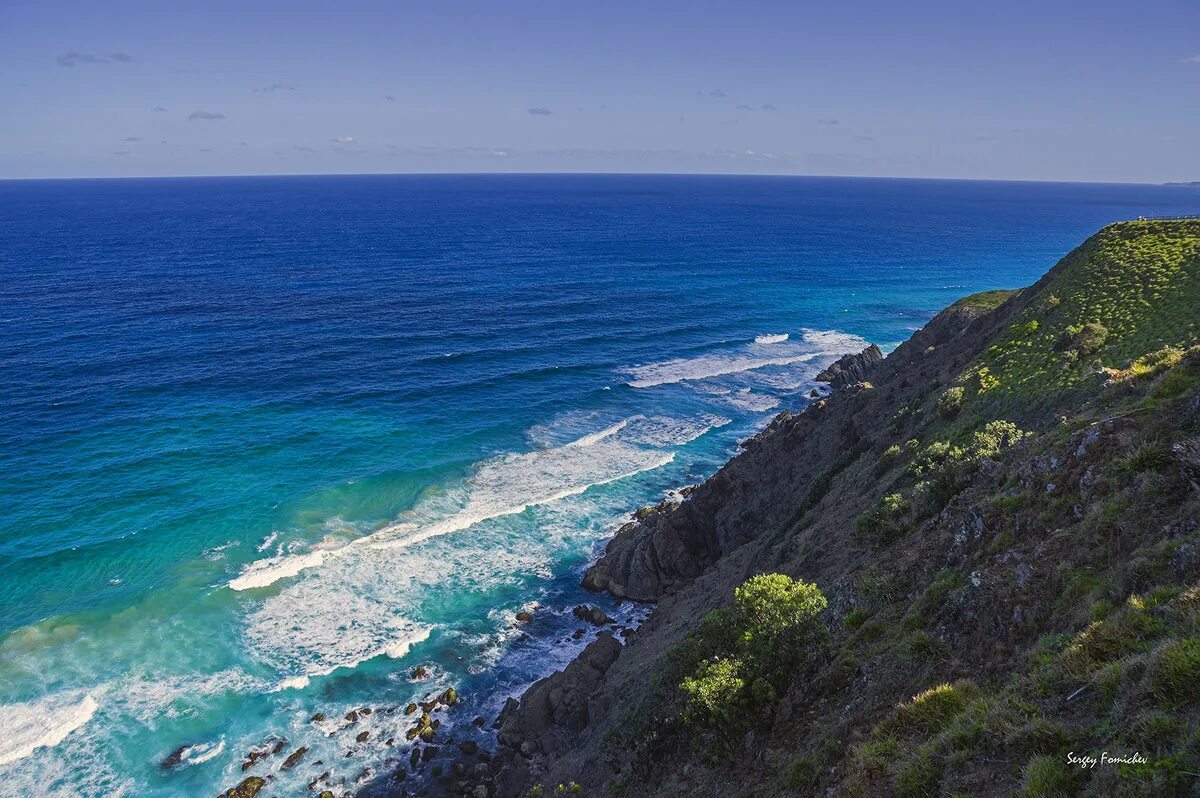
{"x":956,"y":505}
{"x":999,"y":527}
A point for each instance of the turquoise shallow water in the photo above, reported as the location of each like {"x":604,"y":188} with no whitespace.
{"x":266,"y":444}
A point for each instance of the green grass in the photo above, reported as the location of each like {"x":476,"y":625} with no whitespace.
{"x":1131,"y":289}
{"x":985,"y":300}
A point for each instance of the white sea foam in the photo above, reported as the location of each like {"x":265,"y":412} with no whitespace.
{"x":358,"y":602}
{"x":596,"y":437}
{"x":813,"y":345}
{"x":267,"y":572}
{"x":42,"y":724}
{"x":267,"y":541}
{"x":201,"y":752}
{"x":771,"y":339}
{"x":747,"y":399}
{"x":501,"y":486}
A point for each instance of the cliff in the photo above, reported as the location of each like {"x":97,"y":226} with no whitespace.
{"x":988,"y":555}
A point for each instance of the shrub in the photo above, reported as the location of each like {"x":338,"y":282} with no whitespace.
{"x":886,"y":522}
{"x":856,"y":618}
{"x":773,"y":611}
{"x":735,"y":665}
{"x":932,"y":710}
{"x":716,"y":695}
{"x":1045,"y":776}
{"x":1174,"y":675}
{"x":1085,"y":339}
{"x":1146,"y":457}
{"x":950,"y":403}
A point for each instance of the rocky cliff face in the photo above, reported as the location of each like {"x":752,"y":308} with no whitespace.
{"x":1008,"y":544}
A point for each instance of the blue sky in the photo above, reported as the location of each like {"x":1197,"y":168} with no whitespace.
{"x":1048,"y":90}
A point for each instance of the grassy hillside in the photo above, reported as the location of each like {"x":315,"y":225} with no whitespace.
{"x":1131,"y":289}
{"x":1006,"y":574}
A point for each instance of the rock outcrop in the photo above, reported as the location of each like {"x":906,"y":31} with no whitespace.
{"x":553,"y":711}
{"x":850,"y":369}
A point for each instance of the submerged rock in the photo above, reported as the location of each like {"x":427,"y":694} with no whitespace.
{"x":294,"y":758}
{"x":249,"y":788}
{"x":174,"y":758}
{"x":593,"y":615}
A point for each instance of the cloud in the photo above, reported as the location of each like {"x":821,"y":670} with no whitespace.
{"x":1191,"y":59}
{"x":274,"y":87}
{"x":74,"y":59}
{"x":121,"y":152}
{"x":540,"y":111}
{"x":828,"y":122}
{"x":342,"y":139}
{"x":769,"y":107}
{"x":302,"y":148}
{"x":713,"y":93}
{"x":158,"y":109}
{"x":131,"y":138}
{"x":744,"y":108}
{"x":389,"y":98}
{"x":205,"y":115}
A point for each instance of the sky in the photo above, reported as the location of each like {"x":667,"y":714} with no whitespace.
{"x":1047,"y":90}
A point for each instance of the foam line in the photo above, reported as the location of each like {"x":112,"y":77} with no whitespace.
{"x":41,"y":724}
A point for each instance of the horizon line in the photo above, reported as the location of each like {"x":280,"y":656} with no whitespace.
{"x":1172,"y":183}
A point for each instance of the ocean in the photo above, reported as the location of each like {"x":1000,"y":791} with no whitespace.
{"x":268,"y":444}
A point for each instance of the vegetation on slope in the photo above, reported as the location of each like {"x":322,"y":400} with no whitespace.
{"x":1028,"y":592}
{"x":1129,"y":290}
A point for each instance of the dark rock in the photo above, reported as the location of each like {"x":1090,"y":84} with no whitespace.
{"x":352,"y":716}
{"x":468,"y":747}
{"x":362,"y":737}
{"x":479,"y":721}
{"x":851,"y":369}
{"x":312,"y":785}
{"x":578,"y":633}
{"x":419,"y":673}
{"x":279,"y":744}
{"x":174,"y":758}
{"x":554,"y":710}
{"x":429,"y":753}
{"x":592,"y":615}
{"x":411,"y":708}
{"x":449,"y":697}
{"x":249,"y":788}
{"x":414,"y":758}
{"x":294,"y":758}
{"x":524,"y":616}
{"x":252,"y":758}
{"x":317,"y":718}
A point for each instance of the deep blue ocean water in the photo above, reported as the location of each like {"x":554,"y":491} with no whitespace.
{"x":266,"y":444}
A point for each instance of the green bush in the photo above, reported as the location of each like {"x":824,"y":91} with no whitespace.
{"x":742,"y":657}
{"x":947,"y":467}
{"x":1085,"y":339}
{"x":950,"y":403}
{"x":886,"y":522}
